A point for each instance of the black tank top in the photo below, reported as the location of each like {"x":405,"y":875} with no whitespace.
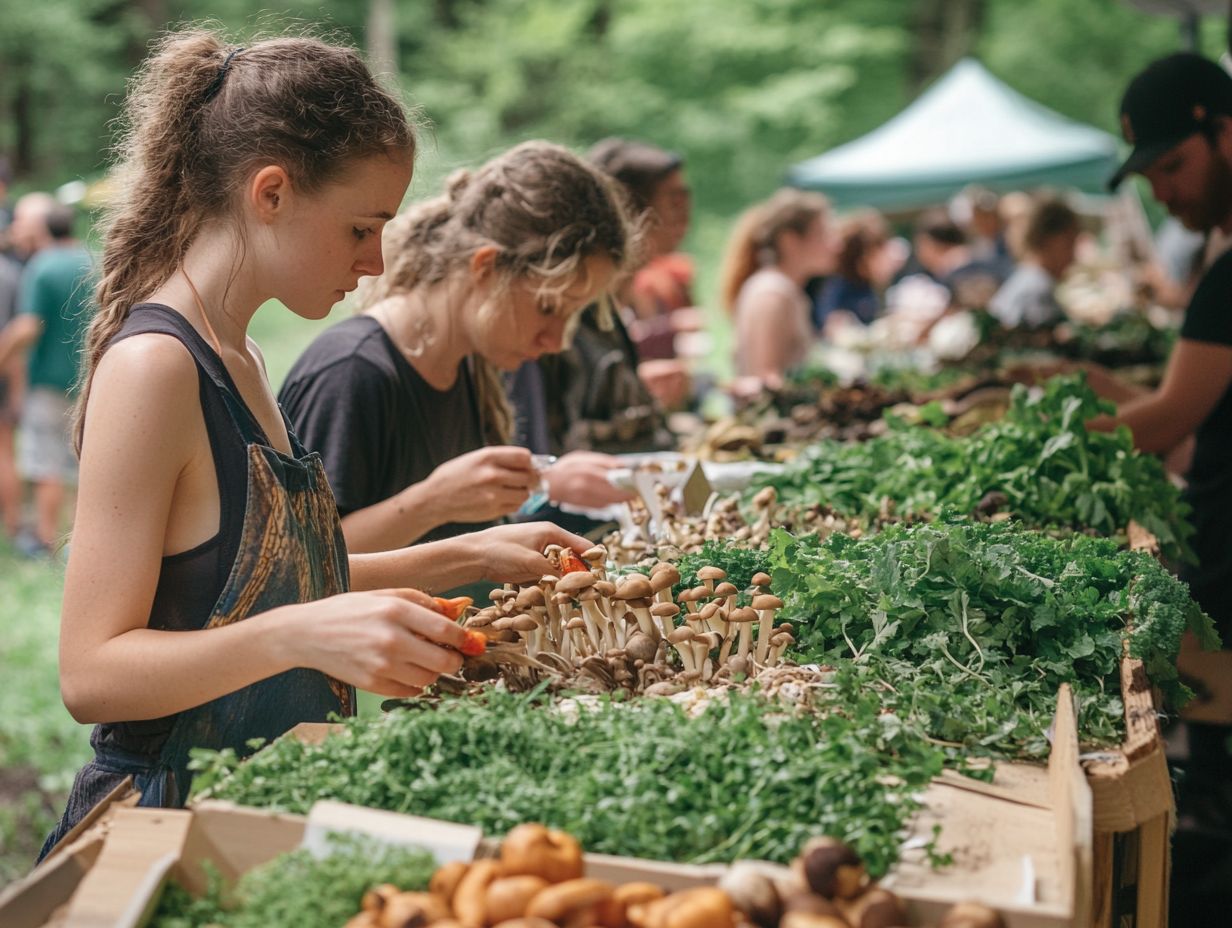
{"x":189,"y":583}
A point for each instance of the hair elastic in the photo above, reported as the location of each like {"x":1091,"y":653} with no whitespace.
{"x":216,"y":84}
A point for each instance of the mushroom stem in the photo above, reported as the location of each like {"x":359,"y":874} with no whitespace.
{"x":765,"y":624}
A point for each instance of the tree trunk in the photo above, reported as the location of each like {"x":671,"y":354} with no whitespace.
{"x":383,"y":37}
{"x":944,"y":31}
{"x":24,"y":127}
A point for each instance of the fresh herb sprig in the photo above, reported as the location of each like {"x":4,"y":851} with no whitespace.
{"x":970,"y":628}
{"x":747,"y":778}
{"x":298,"y":888}
{"x":1052,"y":470}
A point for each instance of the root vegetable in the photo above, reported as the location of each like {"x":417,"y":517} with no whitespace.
{"x":509,"y":896}
{"x":753,"y":893}
{"x":470,"y":896}
{"x":557,"y":903}
{"x":831,"y":868}
{"x":534,"y":850}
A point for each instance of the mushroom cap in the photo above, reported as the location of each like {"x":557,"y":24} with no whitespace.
{"x":498,"y":596}
{"x":575,"y":623}
{"x":707,"y":611}
{"x":605,"y":587}
{"x":681,"y":635}
{"x":711,"y":573}
{"x":765,"y":497}
{"x":761,"y":579}
{"x":641,"y":647}
{"x":634,"y":586}
{"x":482,"y":618}
{"x":664,"y":579}
{"x":726,"y":589}
{"x":597,"y":553}
{"x":661,"y":565}
{"x":549,"y":580}
{"x":523,"y":623}
{"x":503,"y":624}
{"x":743,"y":614}
{"x":530,"y":596}
{"x":561,"y":598}
{"x":711,"y":639}
{"x":767,"y":601}
{"x":590,"y":595}
{"x":575,"y":582}
{"x":664,"y":609}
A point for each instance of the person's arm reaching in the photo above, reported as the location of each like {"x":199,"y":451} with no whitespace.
{"x":1198,"y":375}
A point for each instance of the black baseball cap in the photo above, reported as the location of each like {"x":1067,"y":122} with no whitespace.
{"x":1166,"y":103}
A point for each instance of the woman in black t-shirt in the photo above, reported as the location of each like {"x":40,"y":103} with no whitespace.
{"x":405,"y":402}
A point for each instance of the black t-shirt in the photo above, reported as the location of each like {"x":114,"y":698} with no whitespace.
{"x":377,"y":424}
{"x":1209,"y":319}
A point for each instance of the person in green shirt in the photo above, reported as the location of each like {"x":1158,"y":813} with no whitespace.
{"x":53,"y":304}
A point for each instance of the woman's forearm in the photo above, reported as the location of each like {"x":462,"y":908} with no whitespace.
{"x":148,"y":673}
{"x":392,"y":523}
{"x":432,"y":567}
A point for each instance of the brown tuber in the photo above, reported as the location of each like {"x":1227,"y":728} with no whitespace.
{"x":412,"y":910}
{"x":705,"y":907}
{"x":445,"y":880}
{"x":831,"y":868}
{"x":972,"y":915}
{"x":565,"y":901}
{"x":802,"y":919}
{"x":509,"y":896}
{"x":470,"y":896}
{"x":534,"y":850}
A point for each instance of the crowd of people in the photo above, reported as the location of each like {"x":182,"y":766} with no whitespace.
{"x":513,"y":334}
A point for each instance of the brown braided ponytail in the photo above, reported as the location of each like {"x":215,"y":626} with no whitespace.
{"x":201,"y":116}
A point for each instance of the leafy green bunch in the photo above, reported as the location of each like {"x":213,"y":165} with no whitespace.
{"x":746,"y":778}
{"x":969,"y":628}
{"x":298,"y":888}
{"x":1052,"y":470}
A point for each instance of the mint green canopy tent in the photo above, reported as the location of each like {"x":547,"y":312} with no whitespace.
{"x":967,"y":128}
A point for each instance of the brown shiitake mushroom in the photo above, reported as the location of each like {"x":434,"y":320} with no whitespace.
{"x":534,"y":850}
{"x":972,"y":915}
{"x":564,"y":901}
{"x":471,"y":895}
{"x":508,"y":897}
{"x":877,"y":908}
{"x":831,"y":868}
{"x":753,"y":893}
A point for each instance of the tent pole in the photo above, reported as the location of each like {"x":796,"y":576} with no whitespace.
{"x":1191,"y":27}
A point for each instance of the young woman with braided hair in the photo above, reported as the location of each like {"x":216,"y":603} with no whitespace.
{"x":207,"y":600}
{"x":405,"y":401}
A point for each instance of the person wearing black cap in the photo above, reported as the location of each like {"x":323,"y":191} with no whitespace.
{"x":1177,"y":114}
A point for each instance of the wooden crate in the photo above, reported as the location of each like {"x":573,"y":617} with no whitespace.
{"x":1134,"y":813}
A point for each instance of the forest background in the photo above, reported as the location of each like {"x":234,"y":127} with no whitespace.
{"x":742,"y":88}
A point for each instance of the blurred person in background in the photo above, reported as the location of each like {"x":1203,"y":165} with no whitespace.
{"x":775,"y":248}
{"x":659,"y":295}
{"x":12,"y":390}
{"x":1028,"y":298}
{"x":598,"y":394}
{"x":978,"y":210}
{"x":6,"y":211}
{"x":52,"y":317}
{"x":864,"y":265}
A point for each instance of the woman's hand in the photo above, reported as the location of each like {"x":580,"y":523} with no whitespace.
{"x":579,"y":478}
{"x":380,"y":641}
{"x":482,"y":485}
{"x":514,"y":553}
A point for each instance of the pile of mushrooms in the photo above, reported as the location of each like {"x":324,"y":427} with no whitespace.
{"x":826,"y":886}
{"x":722,"y":519}
{"x":538,"y":880}
{"x":630,"y":632}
